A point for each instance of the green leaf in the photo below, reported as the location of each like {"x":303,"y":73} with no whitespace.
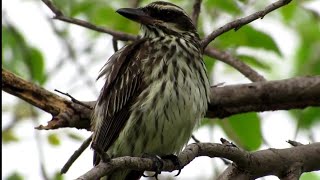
{"x":307,"y":117}
{"x":20,"y":58}
{"x":11,"y":48}
{"x":84,"y":7}
{"x":254,"y":62}
{"x":35,"y":64}
{"x":307,"y":59}
{"x":15,"y":176}
{"x":54,"y":139}
{"x":106,"y":15}
{"x":288,"y":11}
{"x":9,"y":136}
{"x":209,"y":62}
{"x":310,"y":176}
{"x":65,"y":6}
{"x":244,"y":129}
{"x":229,"y":6}
{"x":74,"y":136}
{"x":247,"y":36}
{"x":58,"y":176}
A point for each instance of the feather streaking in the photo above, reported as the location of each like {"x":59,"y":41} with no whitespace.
{"x":156,"y":90}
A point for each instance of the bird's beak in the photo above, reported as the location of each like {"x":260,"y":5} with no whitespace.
{"x":136,"y":14}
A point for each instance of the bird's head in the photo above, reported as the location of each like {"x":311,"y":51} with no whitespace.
{"x":160,"y":18}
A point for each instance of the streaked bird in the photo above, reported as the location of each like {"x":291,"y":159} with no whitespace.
{"x":156,"y":89}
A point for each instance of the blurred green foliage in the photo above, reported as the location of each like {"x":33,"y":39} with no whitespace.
{"x":244,"y":130}
{"x":15,"y":176}
{"x":8,"y":135}
{"x":54,"y":139}
{"x":20,"y":57}
{"x":306,"y":23}
{"x":249,"y":37}
{"x":310,"y":176}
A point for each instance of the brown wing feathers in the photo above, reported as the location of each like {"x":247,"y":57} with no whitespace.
{"x":123,"y":80}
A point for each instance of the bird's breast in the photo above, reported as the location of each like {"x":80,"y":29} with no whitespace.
{"x":168,"y":109}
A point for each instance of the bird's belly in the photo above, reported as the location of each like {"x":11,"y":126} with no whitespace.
{"x":163,"y":121}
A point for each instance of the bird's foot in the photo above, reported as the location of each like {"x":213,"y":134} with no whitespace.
{"x":103,"y":155}
{"x":157,"y":164}
{"x":175,"y":160}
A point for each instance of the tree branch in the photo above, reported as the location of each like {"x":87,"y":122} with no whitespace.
{"x":134,"y":3}
{"x":211,"y":52}
{"x":293,"y":172}
{"x":196,"y":12}
{"x":299,"y":92}
{"x":238,"y":23}
{"x":248,"y":164}
{"x":75,"y":155}
{"x":59,"y":15}
{"x":235,"y":63}
{"x":294,"y":93}
{"x":65,"y":113}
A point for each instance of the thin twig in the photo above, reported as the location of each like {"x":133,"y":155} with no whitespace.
{"x":59,"y":15}
{"x":115,"y":44}
{"x":294,"y":143}
{"x":227,"y":143}
{"x":196,"y":12}
{"x":195,"y":139}
{"x":238,"y":23}
{"x":55,"y":10}
{"x":235,"y":63}
{"x":225,"y":57}
{"x":74,"y":99}
{"x":75,"y":155}
{"x":39,"y":145}
{"x":225,"y":161}
{"x":134,"y":3}
{"x":72,"y":55}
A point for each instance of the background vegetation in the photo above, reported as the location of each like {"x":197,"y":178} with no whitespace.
{"x":286,"y":43}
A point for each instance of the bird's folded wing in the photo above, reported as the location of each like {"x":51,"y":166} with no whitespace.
{"x":123,"y":84}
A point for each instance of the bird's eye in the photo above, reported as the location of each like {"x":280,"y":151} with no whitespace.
{"x":168,"y":13}
{"x":144,"y":10}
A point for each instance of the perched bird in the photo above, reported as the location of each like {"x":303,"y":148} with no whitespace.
{"x":156,"y":89}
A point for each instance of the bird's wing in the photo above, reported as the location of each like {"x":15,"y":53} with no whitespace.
{"x":123,"y":84}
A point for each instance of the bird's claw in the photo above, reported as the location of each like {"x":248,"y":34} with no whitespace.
{"x":157,"y":165}
{"x":175,"y":160}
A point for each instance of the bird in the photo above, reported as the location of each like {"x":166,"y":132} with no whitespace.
{"x":156,"y":89}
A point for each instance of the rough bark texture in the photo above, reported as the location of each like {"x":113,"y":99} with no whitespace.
{"x":299,"y":92}
{"x":294,"y":93}
{"x":247,"y":165}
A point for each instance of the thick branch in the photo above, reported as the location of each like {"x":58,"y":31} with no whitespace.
{"x":64,"y":112}
{"x":299,"y":92}
{"x":254,"y":164}
{"x":294,"y":93}
{"x":237,"y":24}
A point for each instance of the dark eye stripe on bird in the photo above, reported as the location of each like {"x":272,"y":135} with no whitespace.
{"x":156,"y":89}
